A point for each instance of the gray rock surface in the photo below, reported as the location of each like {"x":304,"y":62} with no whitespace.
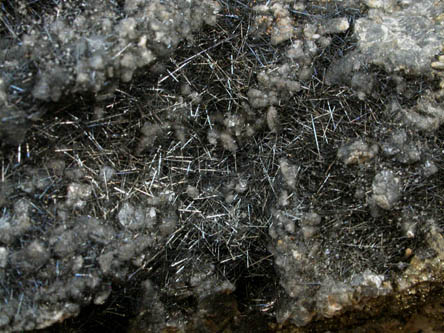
{"x":220,"y":165}
{"x":386,"y":189}
{"x":78,"y":47}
